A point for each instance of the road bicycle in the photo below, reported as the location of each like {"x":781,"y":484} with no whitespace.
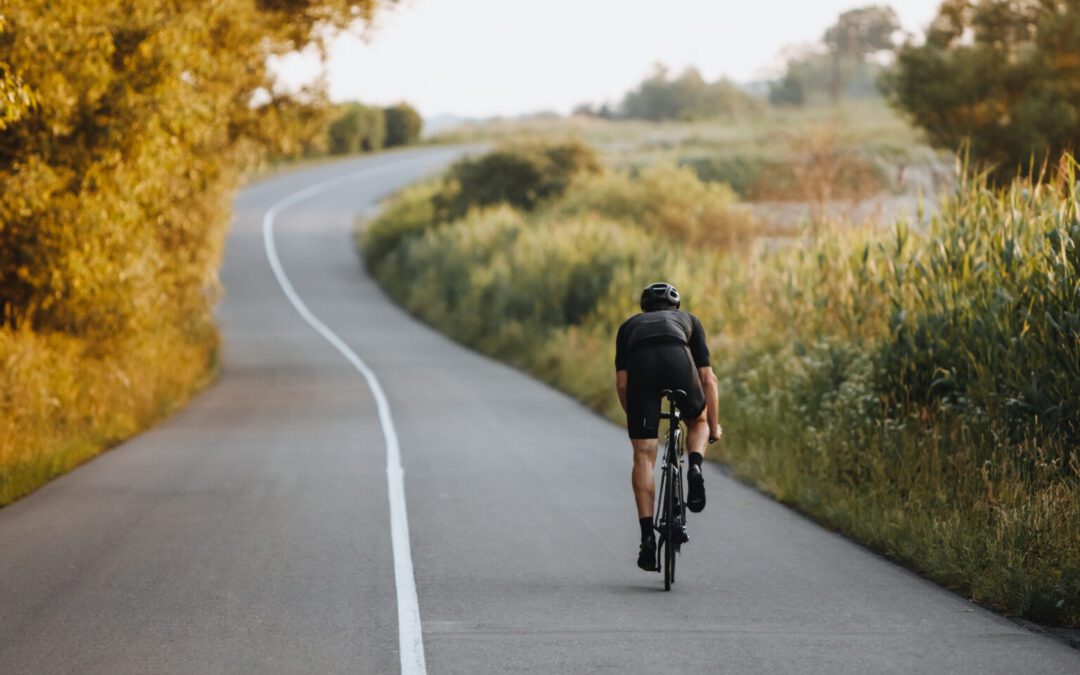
{"x":669,"y":518}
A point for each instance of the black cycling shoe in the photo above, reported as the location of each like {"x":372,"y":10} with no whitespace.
{"x":646,"y":558}
{"x":695,"y":501}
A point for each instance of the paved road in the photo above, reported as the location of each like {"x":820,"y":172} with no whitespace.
{"x":249,"y":533}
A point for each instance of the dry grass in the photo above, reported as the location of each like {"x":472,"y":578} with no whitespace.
{"x":61,"y":405}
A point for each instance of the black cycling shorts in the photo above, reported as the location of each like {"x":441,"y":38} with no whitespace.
{"x":650,"y":370}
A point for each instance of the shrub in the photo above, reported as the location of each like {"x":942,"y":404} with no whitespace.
{"x":409,"y":213}
{"x":521,"y":175}
{"x":488,"y":279}
{"x":358,"y":128}
{"x":740,"y":172}
{"x":403,"y":125}
{"x":668,"y":202}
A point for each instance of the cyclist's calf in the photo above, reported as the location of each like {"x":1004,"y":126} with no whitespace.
{"x":641,"y":476}
{"x":697,"y":433}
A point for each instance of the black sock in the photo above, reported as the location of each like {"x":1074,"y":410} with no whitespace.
{"x":695,"y":459}
{"x":646,"y":527}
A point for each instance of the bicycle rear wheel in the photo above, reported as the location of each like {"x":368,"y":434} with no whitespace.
{"x":670,"y":530}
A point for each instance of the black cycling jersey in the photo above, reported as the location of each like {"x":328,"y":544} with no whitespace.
{"x":662,"y":326}
{"x":660,"y":350}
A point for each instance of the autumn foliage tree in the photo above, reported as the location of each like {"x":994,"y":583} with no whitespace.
{"x":1001,"y":77}
{"x":114,"y":186}
{"x":124,"y":127}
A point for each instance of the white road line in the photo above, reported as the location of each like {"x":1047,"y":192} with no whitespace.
{"x":410,"y":638}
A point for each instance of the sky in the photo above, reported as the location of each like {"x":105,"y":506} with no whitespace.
{"x":480,"y":58}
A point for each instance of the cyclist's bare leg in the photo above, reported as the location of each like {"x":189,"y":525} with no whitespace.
{"x":641,"y":477}
{"x":712,"y":401}
{"x":697,"y":433}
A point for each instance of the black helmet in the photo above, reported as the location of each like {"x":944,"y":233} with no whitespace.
{"x":660,"y":295}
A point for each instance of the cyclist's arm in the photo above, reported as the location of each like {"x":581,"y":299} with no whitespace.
{"x":621,"y":364}
{"x":712,"y":400}
{"x":620,"y":386}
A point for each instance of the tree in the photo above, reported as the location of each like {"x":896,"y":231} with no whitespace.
{"x":114,"y":186}
{"x":1002,"y":77}
{"x":403,"y":125}
{"x":857,"y":34}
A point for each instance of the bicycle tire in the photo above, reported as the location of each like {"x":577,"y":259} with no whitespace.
{"x":670,"y":534}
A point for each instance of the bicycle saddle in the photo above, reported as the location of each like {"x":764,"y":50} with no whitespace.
{"x":676,"y":395}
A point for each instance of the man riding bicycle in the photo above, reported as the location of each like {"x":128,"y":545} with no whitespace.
{"x":664,"y":348}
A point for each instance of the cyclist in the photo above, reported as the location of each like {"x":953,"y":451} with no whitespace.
{"x":664,"y":348}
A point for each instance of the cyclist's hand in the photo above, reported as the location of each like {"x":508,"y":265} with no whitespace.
{"x":716,"y":434}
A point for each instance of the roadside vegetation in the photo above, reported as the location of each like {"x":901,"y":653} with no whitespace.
{"x":124,"y":128}
{"x":915,"y":388}
{"x":912,"y":378}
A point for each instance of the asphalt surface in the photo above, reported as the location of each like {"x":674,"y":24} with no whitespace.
{"x":249,"y":532}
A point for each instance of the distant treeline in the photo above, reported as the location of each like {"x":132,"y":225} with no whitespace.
{"x":999,"y":80}
{"x":840,"y":66}
{"x":685,"y":97}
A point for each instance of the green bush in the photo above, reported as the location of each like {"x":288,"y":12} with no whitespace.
{"x":742,"y":173}
{"x":409,"y":213}
{"x":522,"y":175}
{"x":403,"y":125}
{"x":666,"y":201}
{"x":488,"y":279}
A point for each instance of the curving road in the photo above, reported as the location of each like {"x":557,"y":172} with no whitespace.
{"x":251,"y":531}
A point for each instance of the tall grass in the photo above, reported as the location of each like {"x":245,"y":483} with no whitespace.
{"x":915,"y":389}
{"x":62,"y":403}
